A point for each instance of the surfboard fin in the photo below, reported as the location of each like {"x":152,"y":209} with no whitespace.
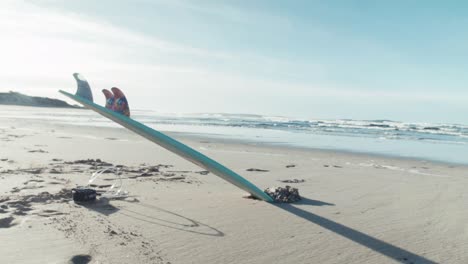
{"x":109,"y":98}
{"x":120,"y":102}
{"x":83,"y":90}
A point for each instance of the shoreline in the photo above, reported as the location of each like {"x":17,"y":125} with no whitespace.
{"x":290,"y":146}
{"x":449,"y":153}
{"x":267,"y":145}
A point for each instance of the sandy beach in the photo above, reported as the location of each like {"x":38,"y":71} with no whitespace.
{"x":356,"y":208}
{"x":233,"y":132}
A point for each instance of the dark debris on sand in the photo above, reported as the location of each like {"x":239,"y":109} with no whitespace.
{"x":89,"y":166}
{"x":286,"y":194}
{"x":92,"y":162}
{"x":293,"y":181}
{"x":18,"y":203}
{"x":63,"y":196}
{"x":257,"y":170}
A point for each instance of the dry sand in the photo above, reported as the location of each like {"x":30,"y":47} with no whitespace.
{"x":356,"y":208}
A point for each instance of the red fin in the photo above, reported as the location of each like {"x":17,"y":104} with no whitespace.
{"x":120,"y":102}
{"x":109,"y":98}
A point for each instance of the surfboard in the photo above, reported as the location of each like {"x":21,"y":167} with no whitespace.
{"x":174,"y":146}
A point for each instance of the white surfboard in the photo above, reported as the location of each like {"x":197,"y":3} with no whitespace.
{"x":174,"y":146}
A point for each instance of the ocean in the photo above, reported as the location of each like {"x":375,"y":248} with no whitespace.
{"x":425,"y":141}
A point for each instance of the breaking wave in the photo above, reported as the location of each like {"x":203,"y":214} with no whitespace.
{"x":381,"y":129}
{"x":442,"y":142}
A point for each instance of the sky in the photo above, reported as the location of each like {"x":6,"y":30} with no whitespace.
{"x":398,"y":60}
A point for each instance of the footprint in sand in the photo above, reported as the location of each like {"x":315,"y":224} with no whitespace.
{"x":55,"y":171}
{"x":16,"y":189}
{"x":16,"y":136}
{"x":334,"y":166}
{"x":80,"y":259}
{"x":7,"y":222}
{"x":22,"y":210}
{"x":38,"y":151}
{"x":49,"y":213}
{"x":32,"y":171}
{"x":2,"y":210}
{"x":100,"y":186}
{"x":33,"y":180}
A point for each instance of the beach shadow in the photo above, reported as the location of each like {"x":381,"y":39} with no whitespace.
{"x":154,"y":215}
{"x":394,"y":252}
{"x":102,"y":206}
{"x":306,"y":201}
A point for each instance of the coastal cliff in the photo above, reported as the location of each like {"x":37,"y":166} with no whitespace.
{"x":14,"y":98}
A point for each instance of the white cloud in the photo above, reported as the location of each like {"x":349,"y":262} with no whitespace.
{"x":37,"y":43}
{"x":41,"y":48}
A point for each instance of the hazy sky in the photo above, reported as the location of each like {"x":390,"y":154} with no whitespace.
{"x":400,"y":60}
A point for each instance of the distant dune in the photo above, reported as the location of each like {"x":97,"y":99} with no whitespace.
{"x":14,"y":98}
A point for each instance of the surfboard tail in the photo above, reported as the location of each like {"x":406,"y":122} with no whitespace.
{"x":115,"y":99}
